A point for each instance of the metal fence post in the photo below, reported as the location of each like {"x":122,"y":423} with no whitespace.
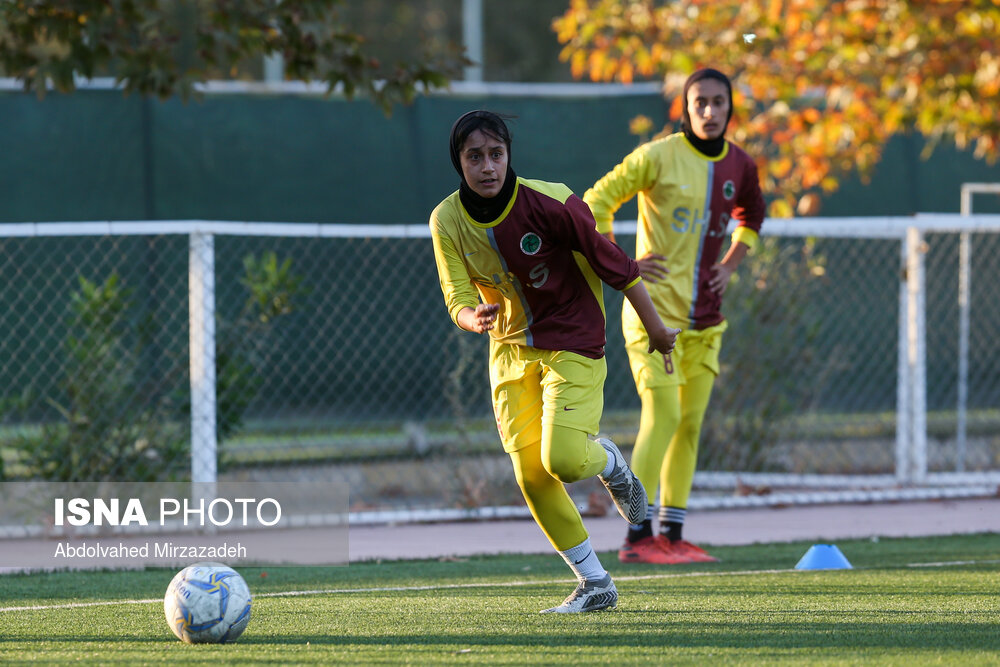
{"x":916,"y":351}
{"x":201,"y":309}
{"x":904,"y":397}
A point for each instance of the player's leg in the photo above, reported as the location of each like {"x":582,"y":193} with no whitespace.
{"x":679,"y":468}
{"x":547,"y":499}
{"x":515,"y":374}
{"x":657,"y":385}
{"x":558,"y":517}
{"x":573,"y":386}
{"x":517,"y":404}
{"x":660,"y":415}
{"x":659,"y":420}
{"x":677,"y":472}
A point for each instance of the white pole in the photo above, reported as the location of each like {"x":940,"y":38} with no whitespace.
{"x":274,"y":68}
{"x":472,"y":37}
{"x":917,"y":349}
{"x":964,"y":285}
{"x":964,"y":319}
{"x":904,"y":402}
{"x":201,"y":313}
{"x":964,"y":307}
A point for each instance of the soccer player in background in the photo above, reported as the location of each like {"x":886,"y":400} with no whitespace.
{"x":690,"y":184}
{"x":522,"y":260}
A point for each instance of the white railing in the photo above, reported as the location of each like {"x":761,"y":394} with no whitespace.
{"x":911,"y":478}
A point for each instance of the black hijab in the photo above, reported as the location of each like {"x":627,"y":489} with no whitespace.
{"x":710,"y":147}
{"x":482,"y":209}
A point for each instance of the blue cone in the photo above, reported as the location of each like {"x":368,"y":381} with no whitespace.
{"x":823,"y":557}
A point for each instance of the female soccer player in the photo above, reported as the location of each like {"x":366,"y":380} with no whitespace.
{"x":522,"y":260}
{"x":690,"y":184}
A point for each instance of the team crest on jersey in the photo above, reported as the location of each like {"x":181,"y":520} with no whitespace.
{"x":530,"y":243}
{"x":728,"y":189}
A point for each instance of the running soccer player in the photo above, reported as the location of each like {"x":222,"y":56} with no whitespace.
{"x":690,"y":184}
{"x":522,"y":260}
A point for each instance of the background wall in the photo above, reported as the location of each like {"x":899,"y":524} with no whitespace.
{"x":97,"y":155}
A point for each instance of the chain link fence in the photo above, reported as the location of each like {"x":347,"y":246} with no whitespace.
{"x":335,"y":360}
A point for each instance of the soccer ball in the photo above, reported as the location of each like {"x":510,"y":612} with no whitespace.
{"x":207,"y":603}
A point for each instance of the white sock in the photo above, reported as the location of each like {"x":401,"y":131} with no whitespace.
{"x":609,"y":466}
{"x":583,"y":560}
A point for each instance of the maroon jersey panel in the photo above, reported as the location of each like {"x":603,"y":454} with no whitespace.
{"x":735,"y":193}
{"x":561,"y":296}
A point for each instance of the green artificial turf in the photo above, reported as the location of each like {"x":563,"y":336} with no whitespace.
{"x":906,"y":601}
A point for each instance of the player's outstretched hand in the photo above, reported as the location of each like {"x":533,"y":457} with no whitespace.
{"x":663,"y":339}
{"x":482,"y":319}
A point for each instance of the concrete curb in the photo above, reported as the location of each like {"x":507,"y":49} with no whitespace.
{"x":817,"y":523}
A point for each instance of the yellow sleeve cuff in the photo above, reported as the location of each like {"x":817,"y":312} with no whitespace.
{"x":633,"y":283}
{"x":456,"y":309}
{"x":746,"y":236}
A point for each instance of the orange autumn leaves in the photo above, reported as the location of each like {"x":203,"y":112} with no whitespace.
{"x":821,"y":87}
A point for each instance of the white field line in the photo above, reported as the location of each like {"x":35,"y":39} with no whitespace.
{"x":955,"y":562}
{"x":403,"y":589}
{"x":76,"y":605}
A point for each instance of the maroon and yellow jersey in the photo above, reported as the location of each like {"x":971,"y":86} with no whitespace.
{"x":542,"y":260}
{"x":686,"y":201}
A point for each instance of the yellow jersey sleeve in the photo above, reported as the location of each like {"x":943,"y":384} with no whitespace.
{"x":637,"y":172}
{"x":746,"y":235}
{"x":453,"y":275}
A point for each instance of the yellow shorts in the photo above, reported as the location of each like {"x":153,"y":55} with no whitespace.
{"x":532,"y":387}
{"x":696,"y":352}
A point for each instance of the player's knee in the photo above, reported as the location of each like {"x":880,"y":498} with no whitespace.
{"x":565,"y":469}
{"x":555,"y":468}
{"x":689,"y":431}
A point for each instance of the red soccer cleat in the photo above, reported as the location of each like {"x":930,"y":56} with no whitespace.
{"x":647,"y":550}
{"x":683,"y":551}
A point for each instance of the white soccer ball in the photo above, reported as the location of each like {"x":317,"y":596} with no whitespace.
{"x":207,"y":603}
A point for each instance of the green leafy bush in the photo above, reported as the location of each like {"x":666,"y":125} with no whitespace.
{"x":118,"y":420}
{"x":770,"y":308}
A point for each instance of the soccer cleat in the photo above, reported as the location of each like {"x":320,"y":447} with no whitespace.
{"x":683,"y":551}
{"x":588,"y":596}
{"x":625,"y":488}
{"x":647,"y":550}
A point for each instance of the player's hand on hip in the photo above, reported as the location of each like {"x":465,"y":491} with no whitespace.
{"x":652,"y":267}
{"x":663,"y":339}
